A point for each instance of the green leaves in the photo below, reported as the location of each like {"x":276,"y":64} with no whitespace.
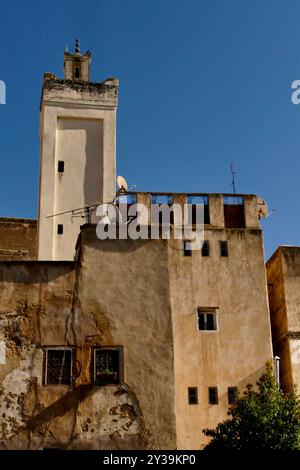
{"x":263,"y":418}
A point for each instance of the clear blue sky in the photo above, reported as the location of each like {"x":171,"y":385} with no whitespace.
{"x":202,"y":83}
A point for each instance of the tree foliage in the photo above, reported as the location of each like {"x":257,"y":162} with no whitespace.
{"x":263,"y":418}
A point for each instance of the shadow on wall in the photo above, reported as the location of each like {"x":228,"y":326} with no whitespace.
{"x":94,"y":161}
{"x":89,"y":238}
{"x":241,"y":386}
{"x":64,"y":404}
{"x":87,"y":417}
{"x":34,"y":272}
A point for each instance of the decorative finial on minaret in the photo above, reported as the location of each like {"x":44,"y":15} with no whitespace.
{"x":77,"y":46}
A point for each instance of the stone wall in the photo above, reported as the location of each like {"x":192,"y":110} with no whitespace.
{"x":18,"y":239}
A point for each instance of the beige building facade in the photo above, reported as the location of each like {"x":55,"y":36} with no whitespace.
{"x":283,"y":273}
{"x":78,"y":153}
{"x":188,"y":330}
{"x":123,"y":343}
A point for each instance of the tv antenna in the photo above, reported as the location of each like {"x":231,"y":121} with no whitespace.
{"x":233,"y":178}
{"x":85,"y":212}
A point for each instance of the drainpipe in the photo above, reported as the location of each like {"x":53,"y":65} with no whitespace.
{"x":276,"y":360}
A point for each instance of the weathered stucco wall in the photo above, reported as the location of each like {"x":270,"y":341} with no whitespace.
{"x":125,"y":287}
{"x":35,"y":299}
{"x":236,"y":353}
{"x":283,"y":271}
{"x":18,"y":239}
{"x":119,"y":296}
{"x":141,"y":296}
{"x":40,"y":307}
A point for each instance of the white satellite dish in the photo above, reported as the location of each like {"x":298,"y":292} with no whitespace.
{"x":122,"y":183}
{"x":263,"y":208}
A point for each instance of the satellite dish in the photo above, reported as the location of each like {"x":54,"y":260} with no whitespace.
{"x":122,"y":183}
{"x":263,"y":208}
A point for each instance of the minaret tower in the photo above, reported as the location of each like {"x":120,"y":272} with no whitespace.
{"x":77,"y":66}
{"x":78,"y":152}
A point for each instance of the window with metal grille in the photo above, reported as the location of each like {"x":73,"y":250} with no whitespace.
{"x":213,"y":395}
{"x":205,"y":250}
{"x":223,"y":248}
{"x":58,"y":366}
{"x":207,"y":319}
{"x":232,"y":393}
{"x":192,"y":396}
{"x":107,"y":366}
{"x":60,"y":166}
{"x":60,"y":229}
{"x":195,"y":201}
{"x":234,"y":213}
{"x":187,"y":249}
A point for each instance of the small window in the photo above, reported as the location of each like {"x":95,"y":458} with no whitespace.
{"x":205,"y":251}
{"x":76,"y":74}
{"x":213,"y":395}
{"x":194,"y":201}
{"x":187,"y":249}
{"x":60,"y":166}
{"x":60,"y":229}
{"x":107,"y":366}
{"x":232,"y":393}
{"x":58,"y":366}
{"x":192,"y":396}
{"x":223,"y":248}
{"x":207,"y":320}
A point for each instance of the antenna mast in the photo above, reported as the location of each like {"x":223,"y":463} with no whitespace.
{"x":233,"y":178}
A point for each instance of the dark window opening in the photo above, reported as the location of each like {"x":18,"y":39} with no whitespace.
{"x":60,"y":166}
{"x":187,"y":249}
{"x":213,"y":395}
{"x":223,"y":248}
{"x":234,"y":213}
{"x":232,"y":393}
{"x":192,"y":396}
{"x":195,"y":201}
{"x":76,"y":73}
{"x":60,"y":229}
{"x":205,"y":250}
{"x":107,"y":366}
{"x":58,"y":366}
{"x":207,"y":320}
